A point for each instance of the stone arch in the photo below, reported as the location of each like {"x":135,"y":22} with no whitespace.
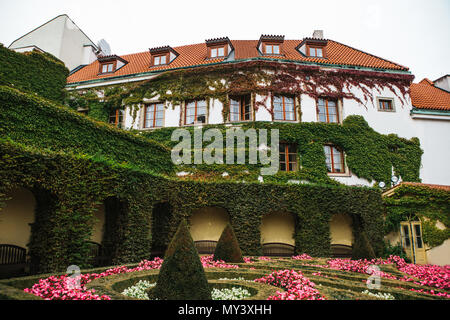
{"x":206,"y":226}
{"x":162,"y":216}
{"x":342,"y":237}
{"x":277,"y":233}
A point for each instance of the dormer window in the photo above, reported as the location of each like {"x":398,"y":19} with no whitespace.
{"x":160,"y":60}
{"x":110,"y":64}
{"x":315,"y":51}
{"x":107,"y":67}
{"x":270,"y":48}
{"x":314,"y":47}
{"x":270,"y":45}
{"x":218,"y":48}
{"x":217,"y":52}
{"x":161,"y":56}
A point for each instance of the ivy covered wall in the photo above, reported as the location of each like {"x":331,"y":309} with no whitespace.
{"x":410,"y":202}
{"x":36,"y":72}
{"x":62,"y":158}
{"x":369,"y":154}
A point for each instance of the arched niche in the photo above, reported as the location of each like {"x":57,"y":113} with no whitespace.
{"x":16,"y":217}
{"x":162,"y":216}
{"x":98,"y":228}
{"x":206,"y":226}
{"x":277,"y":233}
{"x":341,"y":233}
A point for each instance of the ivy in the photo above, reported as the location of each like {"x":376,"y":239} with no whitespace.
{"x":369,"y":154}
{"x":261,"y":77}
{"x":34,"y":72}
{"x":415,"y":202}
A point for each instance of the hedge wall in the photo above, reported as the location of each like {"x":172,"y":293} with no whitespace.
{"x":369,"y":154}
{"x":36,"y":72}
{"x":68,"y":188}
{"x":37,"y":122}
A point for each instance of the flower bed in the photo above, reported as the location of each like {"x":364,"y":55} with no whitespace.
{"x":296,"y":284}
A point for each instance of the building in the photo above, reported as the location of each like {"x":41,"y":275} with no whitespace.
{"x":62,"y":38}
{"x":431,"y":119}
{"x":384,"y":102}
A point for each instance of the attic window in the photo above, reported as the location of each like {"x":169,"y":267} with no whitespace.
{"x":110,"y":64}
{"x":107,"y":67}
{"x":162,"y":56}
{"x":271,"y":48}
{"x":160,"y":60}
{"x":270,"y":44}
{"x":315,"y":51}
{"x":216,"y":52}
{"x":218,"y":48}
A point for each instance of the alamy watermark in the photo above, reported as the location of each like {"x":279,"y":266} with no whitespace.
{"x":192,"y":150}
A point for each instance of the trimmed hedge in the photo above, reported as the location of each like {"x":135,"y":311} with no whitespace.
{"x":182,"y":276}
{"x":36,"y":72}
{"x":37,"y":122}
{"x":227,"y":248}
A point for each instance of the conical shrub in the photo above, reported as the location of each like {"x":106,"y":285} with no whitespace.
{"x":227,"y":248}
{"x":182,"y":276}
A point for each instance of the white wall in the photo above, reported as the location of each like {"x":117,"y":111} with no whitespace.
{"x":62,"y":38}
{"x":434,"y":136}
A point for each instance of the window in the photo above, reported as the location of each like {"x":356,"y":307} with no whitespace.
{"x":154,"y":115}
{"x":315,"y":52}
{"x":195,"y":112}
{"x":240,"y":108}
{"x":288,"y":157}
{"x":107,"y":67}
{"x":327,"y":111}
{"x":270,"y":48}
{"x":159,"y":60}
{"x":217,"y":52}
{"x":334,"y":159}
{"x":283,"y":108}
{"x":385,"y":105}
{"x":116,"y":117}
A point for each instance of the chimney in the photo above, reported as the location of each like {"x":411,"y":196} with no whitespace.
{"x":318,"y":34}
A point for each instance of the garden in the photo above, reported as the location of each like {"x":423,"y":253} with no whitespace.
{"x":185,"y":275}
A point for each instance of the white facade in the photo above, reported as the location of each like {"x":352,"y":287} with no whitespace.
{"x":62,"y":38}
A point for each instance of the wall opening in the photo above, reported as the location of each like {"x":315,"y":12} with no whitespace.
{"x":206,"y":226}
{"x":162,"y":216}
{"x":341,"y":232}
{"x":16,"y":218}
{"x":277,"y":234}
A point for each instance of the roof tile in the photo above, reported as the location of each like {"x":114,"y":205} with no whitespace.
{"x":196,"y":54}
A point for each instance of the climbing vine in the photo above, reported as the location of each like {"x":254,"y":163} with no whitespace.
{"x":420,"y":202}
{"x":260,"y":77}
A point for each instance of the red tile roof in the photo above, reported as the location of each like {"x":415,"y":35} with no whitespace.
{"x":432,"y":186}
{"x":424,"y":95}
{"x":195,"y":54}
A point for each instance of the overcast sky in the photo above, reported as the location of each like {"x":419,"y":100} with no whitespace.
{"x":414,"y":33}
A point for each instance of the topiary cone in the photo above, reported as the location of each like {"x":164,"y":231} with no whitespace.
{"x":182,"y":276}
{"x":227,"y":248}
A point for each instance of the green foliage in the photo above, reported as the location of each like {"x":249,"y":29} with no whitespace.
{"x":40,"y":123}
{"x":369,"y":154}
{"x":395,"y":250}
{"x":227,"y":248}
{"x":35,"y":72}
{"x":417,"y":202}
{"x":182,"y":276}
